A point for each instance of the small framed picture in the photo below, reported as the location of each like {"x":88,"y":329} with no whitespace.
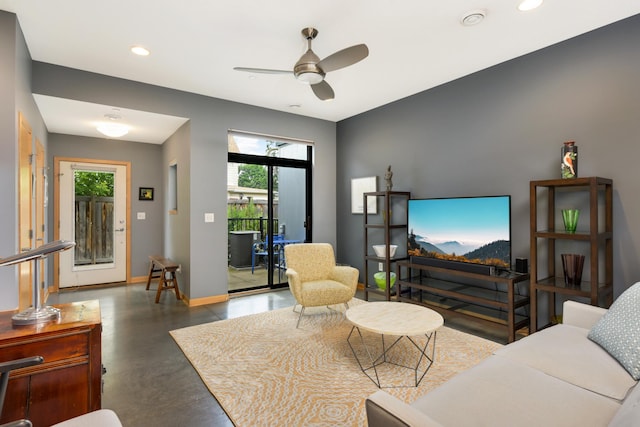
{"x":146,"y":193}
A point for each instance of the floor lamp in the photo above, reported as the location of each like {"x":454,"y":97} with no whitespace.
{"x":37,"y":313}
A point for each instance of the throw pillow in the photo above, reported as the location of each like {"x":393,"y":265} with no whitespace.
{"x":618,"y":331}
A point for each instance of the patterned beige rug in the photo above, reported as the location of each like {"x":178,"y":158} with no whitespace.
{"x":265,"y":372}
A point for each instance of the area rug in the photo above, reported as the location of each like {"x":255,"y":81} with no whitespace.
{"x":265,"y":372}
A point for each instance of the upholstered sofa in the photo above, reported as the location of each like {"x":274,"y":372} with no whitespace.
{"x":578,"y":373}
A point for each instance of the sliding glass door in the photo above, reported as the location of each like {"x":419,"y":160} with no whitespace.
{"x":268,"y":207}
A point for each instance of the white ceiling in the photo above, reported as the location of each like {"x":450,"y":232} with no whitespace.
{"x":81,"y":118}
{"x":414,"y":45}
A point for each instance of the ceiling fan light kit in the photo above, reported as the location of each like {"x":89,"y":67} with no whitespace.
{"x":311,"y":70}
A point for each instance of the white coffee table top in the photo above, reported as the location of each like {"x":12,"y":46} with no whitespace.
{"x":395,"y":318}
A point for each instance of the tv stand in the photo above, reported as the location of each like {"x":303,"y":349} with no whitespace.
{"x":487,"y":270}
{"x":492,"y":299}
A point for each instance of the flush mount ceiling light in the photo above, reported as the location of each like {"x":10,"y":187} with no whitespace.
{"x":473,"y":17}
{"x":139,"y":50}
{"x":112,"y":129}
{"x":527,"y":5}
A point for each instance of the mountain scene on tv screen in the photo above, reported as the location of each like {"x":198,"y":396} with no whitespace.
{"x":497,"y":253}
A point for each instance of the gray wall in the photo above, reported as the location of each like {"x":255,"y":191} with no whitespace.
{"x":205,"y":157}
{"x":146,"y":235}
{"x":15,"y":93}
{"x":494,"y":131}
{"x":176,"y":225}
{"x":8,"y":159}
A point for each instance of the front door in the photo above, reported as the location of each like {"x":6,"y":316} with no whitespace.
{"x":93,"y":199}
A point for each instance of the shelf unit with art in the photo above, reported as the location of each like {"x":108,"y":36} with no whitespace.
{"x":592,"y":239}
{"x":385,"y":231}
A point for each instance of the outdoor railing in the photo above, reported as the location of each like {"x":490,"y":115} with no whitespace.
{"x":251,"y":224}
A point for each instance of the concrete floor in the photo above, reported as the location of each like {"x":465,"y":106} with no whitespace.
{"x":149,"y":382}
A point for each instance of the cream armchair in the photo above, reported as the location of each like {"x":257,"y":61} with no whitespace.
{"x":314,"y":278}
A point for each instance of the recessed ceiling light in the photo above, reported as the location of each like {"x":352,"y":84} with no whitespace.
{"x":295,"y":105}
{"x":473,"y":17}
{"x":526,"y":5}
{"x":139,"y":50}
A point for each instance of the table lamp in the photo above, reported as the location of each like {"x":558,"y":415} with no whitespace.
{"x":37,"y":313}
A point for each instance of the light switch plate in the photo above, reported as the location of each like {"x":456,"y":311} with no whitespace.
{"x":142,"y":215}
{"x":208,"y":217}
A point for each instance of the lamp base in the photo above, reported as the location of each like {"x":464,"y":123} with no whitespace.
{"x":32,"y":316}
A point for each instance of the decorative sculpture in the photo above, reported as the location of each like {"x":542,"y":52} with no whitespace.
{"x":387,"y":177}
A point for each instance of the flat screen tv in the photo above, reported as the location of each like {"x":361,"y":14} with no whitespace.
{"x":473,"y":230}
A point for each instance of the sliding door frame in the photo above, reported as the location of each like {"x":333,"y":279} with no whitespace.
{"x":271,"y":163}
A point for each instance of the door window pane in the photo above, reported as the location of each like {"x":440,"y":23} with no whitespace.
{"x":93,"y":217}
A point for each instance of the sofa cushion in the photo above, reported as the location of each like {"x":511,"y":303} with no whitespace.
{"x":629,"y":413}
{"x":502,"y":392}
{"x":618,"y":332}
{"x":564,"y":352}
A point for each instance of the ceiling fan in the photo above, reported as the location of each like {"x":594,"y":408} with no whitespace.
{"x":311,"y":70}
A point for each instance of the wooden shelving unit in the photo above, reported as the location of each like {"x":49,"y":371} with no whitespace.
{"x":380,"y":230}
{"x":492,"y":299}
{"x":597,"y":238}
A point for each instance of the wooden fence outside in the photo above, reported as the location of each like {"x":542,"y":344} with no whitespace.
{"x":93,"y":230}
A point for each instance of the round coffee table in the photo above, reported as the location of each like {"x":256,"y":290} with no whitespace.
{"x":398,"y":319}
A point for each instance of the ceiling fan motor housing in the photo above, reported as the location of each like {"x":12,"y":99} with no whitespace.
{"x":307,"y":70}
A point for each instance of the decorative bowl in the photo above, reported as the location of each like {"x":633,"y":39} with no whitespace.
{"x":380,"y":250}
{"x":381,"y":279}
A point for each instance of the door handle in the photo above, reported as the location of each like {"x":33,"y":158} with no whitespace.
{"x":119,"y":229}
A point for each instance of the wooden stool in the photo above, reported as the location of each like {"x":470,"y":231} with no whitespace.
{"x":164,"y":266}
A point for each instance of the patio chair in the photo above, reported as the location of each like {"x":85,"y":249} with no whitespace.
{"x":315,"y":279}
{"x":258,"y":249}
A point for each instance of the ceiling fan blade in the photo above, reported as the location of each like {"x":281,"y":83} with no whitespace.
{"x":344,"y":58}
{"x":262,"y":70}
{"x":323,"y":91}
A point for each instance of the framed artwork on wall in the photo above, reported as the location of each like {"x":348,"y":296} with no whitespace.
{"x":145,"y":193}
{"x":359,"y":186}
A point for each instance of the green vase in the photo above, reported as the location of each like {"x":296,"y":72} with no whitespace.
{"x":570,"y":218}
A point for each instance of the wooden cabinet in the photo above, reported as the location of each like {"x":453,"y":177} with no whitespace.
{"x":593,"y":239}
{"x":69,"y":381}
{"x":387,"y":228}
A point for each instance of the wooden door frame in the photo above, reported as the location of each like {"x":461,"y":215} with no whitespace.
{"x":25,"y":203}
{"x":56,"y":211}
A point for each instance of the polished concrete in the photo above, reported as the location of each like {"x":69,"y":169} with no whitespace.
{"x":148,"y":381}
